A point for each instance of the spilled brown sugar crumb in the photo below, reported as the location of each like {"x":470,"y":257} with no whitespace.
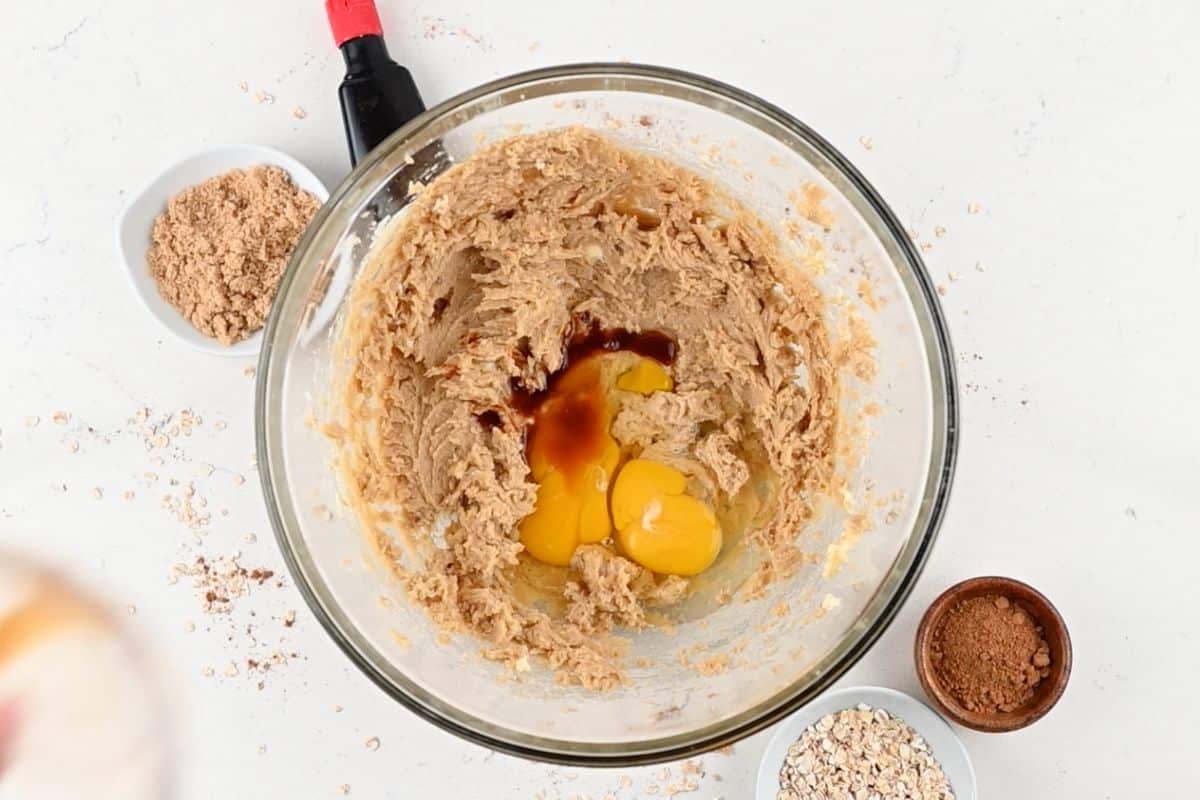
{"x":219,"y":249}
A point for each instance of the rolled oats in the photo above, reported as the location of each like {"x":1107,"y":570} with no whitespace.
{"x":861,"y":752}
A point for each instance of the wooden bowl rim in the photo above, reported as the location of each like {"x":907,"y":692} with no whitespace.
{"x":1046,"y":615}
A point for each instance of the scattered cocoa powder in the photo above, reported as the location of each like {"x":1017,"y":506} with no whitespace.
{"x":989,"y":653}
{"x":219,"y":249}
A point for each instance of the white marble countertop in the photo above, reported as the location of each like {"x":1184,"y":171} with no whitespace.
{"x":1073,"y":128}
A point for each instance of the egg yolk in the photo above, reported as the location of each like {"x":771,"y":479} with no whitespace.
{"x":658,"y":524}
{"x":572,"y":456}
{"x":645,"y":377}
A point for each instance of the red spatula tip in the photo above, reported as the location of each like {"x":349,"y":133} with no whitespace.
{"x":350,"y":19}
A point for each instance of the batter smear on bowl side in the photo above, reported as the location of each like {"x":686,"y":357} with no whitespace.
{"x":574,"y":377}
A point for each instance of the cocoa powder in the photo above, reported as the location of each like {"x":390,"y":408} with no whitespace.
{"x":989,"y":654}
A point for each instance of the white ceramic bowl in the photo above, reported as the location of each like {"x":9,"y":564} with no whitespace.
{"x":943,"y":743}
{"x":133,"y":230}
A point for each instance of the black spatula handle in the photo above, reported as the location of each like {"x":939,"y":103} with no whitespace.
{"x":377,"y":95}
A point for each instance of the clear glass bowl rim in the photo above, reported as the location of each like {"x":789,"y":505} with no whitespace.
{"x":332,"y":219}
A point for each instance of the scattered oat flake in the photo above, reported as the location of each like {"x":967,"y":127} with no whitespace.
{"x":207,"y":469}
{"x":942,"y":290}
{"x":373,"y":743}
{"x":939,"y":231}
{"x":262,"y":748}
{"x":867,"y":142}
{"x":973,"y":208}
{"x":980,"y":266}
{"x":249,"y":538}
{"x":926,"y":247}
{"x":243,"y":86}
{"x":289,"y":619}
{"x":323,"y":513}
{"x":32,"y":422}
{"x":96,"y":493}
{"x":913,"y":233}
{"x":187,"y":507}
{"x":238,"y":480}
{"x":248,"y":372}
{"x":131,"y":609}
{"x":343,"y":788}
{"x":189,"y":626}
{"x":127,"y":495}
{"x":72,"y":446}
{"x":231,"y":669}
{"x":219,"y":425}
{"x":263,"y":97}
{"x":298,"y":113}
{"x":337,"y":709}
{"x":61,"y":417}
{"x":209,"y":672}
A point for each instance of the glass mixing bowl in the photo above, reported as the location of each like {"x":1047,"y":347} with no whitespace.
{"x":722,"y":671}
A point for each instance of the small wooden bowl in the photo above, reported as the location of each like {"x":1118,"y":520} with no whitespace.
{"x":1054,"y":630}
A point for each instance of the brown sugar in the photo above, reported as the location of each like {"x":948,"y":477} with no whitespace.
{"x":989,"y":653}
{"x":220,"y":248}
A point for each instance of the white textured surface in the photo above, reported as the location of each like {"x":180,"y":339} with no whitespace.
{"x":1073,"y":128}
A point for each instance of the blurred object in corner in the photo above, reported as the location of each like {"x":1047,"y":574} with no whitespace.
{"x":79,"y":715}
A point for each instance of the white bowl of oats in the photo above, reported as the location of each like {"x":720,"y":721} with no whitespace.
{"x":867,"y":742}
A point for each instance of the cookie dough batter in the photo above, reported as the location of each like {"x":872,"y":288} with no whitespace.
{"x":476,"y":291}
